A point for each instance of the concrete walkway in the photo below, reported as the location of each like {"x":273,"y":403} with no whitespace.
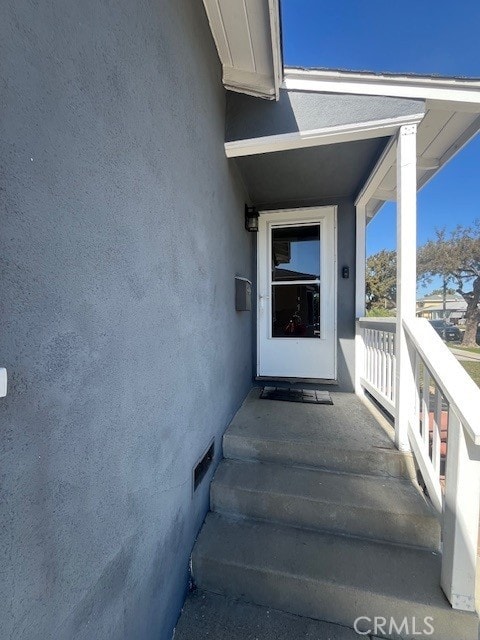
{"x":468,"y":356}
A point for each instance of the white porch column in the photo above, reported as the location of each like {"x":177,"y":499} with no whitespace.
{"x":406,"y":277}
{"x":360,"y":265}
{"x":361,"y":258}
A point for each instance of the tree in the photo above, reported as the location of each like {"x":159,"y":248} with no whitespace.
{"x":456,"y":258}
{"x":381,"y":280}
{"x":439,"y":292}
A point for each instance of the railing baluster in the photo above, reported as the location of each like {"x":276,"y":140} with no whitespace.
{"x":426,"y":409}
{"x":384,"y":363}
{"x":379,"y":361}
{"x":394,"y":370}
{"x":372,"y":363}
{"x":368,"y":355}
{"x":388,"y":368}
{"x":437,"y":431}
{"x":416,"y":411}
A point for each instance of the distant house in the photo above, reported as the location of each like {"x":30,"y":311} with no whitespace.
{"x":431,"y":308}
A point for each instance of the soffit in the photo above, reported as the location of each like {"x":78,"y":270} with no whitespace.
{"x":247,"y":37}
{"x":309,"y":176}
{"x":444,"y":130}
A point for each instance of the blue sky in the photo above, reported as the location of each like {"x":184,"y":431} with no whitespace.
{"x":422,"y":36}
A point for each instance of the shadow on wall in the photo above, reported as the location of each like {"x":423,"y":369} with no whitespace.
{"x":248,"y":117}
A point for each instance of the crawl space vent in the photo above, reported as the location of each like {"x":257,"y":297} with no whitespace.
{"x":203,"y":466}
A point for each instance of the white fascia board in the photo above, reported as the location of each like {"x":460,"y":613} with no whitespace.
{"x":425,"y":88}
{"x":318,"y":137}
{"x":274,"y":11}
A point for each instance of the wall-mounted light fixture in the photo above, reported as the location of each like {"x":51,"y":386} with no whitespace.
{"x":251,"y":218}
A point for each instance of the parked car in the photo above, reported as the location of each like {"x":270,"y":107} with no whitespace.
{"x":446,"y":330}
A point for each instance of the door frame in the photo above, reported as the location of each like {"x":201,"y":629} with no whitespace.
{"x":292,"y":216}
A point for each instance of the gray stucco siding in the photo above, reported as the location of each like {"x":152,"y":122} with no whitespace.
{"x":306,"y":110}
{"x":121,"y":234}
{"x":346,"y":256}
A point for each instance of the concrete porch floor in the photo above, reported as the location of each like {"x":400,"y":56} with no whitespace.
{"x":327,"y":435}
{"x":347,"y":423}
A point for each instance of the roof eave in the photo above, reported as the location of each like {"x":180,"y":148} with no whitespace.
{"x":248,"y":42}
{"x":449,"y":89}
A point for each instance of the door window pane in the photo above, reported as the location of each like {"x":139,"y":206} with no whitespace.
{"x":296,"y":253}
{"x":296,"y":311}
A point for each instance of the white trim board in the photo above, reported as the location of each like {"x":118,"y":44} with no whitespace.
{"x":274,"y":10}
{"x":380,"y":170}
{"x":420,"y":87}
{"x":318,"y":137}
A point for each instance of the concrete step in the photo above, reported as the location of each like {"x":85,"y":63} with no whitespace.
{"x":326,"y":577}
{"x":208,"y":616}
{"x":379,"y":508}
{"x":344,"y":436}
{"x":379,"y":462}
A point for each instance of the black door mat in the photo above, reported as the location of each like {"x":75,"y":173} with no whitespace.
{"x":296,"y":395}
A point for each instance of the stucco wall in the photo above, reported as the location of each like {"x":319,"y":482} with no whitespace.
{"x":346,"y":255}
{"x":121,"y":234}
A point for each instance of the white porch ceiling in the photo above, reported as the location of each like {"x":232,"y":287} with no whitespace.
{"x":440,"y":135}
{"x":247,"y":37}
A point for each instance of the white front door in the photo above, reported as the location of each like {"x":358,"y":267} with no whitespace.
{"x":297,"y":293}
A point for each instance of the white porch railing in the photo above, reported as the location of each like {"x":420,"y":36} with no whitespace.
{"x":444,"y":399}
{"x":378,"y":376}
